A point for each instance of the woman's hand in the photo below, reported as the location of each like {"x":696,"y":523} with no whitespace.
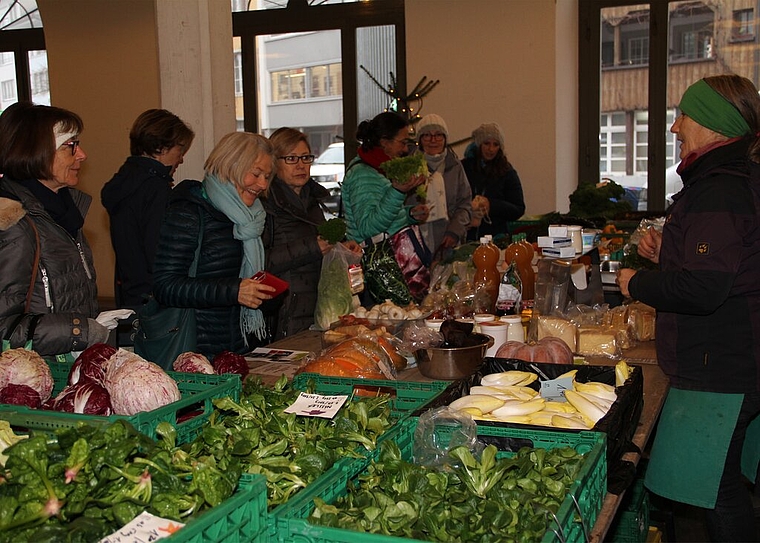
{"x":650,"y":244}
{"x":253,"y":293}
{"x":420,"y":212}
{"x":324,"y":245}
{"x":411,"y":183}
{"x":623,"y":278}
{"x":352,"y":246}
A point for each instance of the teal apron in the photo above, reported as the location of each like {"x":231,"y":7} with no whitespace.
{"x":690,"y":447}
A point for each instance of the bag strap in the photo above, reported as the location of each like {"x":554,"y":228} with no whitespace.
{"x":36,"y":264}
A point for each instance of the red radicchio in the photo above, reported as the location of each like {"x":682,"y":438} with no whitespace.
{"x":22,"y":367}
{"x":193,"y":363}
{"x":138,"y":385}
{"x":229,"y":362}
{"x":20,"y":395}
{"x":86,"y":397}
{"x":90,"y":364}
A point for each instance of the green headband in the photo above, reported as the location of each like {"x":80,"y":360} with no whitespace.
{"x":710,"y":109}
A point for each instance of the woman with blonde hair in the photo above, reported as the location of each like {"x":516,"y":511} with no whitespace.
{"x":216,"y":226}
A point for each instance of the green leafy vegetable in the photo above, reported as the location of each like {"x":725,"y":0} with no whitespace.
{"x":598,"y":200}
{"x":332,"y":230}
{"x":403,"y":168}
{"x":494,"y":499}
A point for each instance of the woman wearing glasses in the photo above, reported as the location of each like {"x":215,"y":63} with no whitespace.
{"x":374,"y":205}
{"x":47,"y":277}
{"x":294,"y":206}
{"x":448,"y":192}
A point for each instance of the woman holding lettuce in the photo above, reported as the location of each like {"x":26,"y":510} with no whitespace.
{"x":375,"y":212}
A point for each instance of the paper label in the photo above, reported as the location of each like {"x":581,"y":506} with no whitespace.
{"x":554,"y":389}
{"x":317,"y":405}
{"x":144,"y":528}
{"x":356,"y":278}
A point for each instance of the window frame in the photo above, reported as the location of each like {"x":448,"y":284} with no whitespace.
{"x":298,"y":16}
{"x":589,"y":101}
{"x":20,"y":42}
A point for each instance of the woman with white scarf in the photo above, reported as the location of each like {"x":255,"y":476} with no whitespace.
{"x":448,"y":193}
{"x":225,"y":214}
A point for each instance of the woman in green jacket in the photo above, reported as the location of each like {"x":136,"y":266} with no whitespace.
{"x":374,"y":205}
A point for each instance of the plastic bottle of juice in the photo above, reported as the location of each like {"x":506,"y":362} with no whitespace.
{"x":485,"y":258}
{"x":522,"y":254}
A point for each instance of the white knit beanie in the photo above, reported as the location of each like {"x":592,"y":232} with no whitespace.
{"x":488,"y":131}
{"x":432,"y":123}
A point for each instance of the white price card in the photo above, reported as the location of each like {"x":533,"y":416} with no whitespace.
{"x":554,"y":389}
{"x":143,"y":529}
{"x":317,"y":405}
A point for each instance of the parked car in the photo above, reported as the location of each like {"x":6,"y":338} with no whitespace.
{"x":328,"y":170}
{"x":636,"y":187}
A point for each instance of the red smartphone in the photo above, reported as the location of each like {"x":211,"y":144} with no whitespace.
{"x":273,"y":281}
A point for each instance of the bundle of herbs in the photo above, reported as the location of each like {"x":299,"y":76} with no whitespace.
{"x":291,"y":451}
{"x":487,"y":500}
{"x":89,"y":481}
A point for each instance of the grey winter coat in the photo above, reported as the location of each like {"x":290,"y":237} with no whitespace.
{"x":66,"y":266}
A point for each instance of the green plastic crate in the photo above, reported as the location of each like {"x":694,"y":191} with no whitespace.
{"x":187,"y":415}
{"x":576,"y":516}
{"x":240,"y":518}
{"x":406,"y":396}
{"x":631,"y":525}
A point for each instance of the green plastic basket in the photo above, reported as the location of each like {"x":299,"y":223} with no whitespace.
{"x":631,"y":525}
{"x":406,"y":396}
{"x":576,"y":516}
{"x":187,"y":415}
{"x":240,"y":518}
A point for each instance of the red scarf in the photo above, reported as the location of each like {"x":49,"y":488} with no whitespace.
{"x":694,"y":155}
{"x":374,"y":157}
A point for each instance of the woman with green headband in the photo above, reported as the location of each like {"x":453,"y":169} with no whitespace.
{"x":707,"y":295}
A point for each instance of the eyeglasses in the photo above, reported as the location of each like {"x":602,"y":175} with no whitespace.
{"x":74,"y":144}
{"x":430,"y":137}
{"x":293,"y":159}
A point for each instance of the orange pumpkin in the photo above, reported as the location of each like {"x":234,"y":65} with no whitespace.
{"x":550,"y":350}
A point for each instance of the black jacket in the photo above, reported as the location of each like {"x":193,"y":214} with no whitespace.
{"x":214,"y":290}
{"x":707,"y":290}
{"x":504,"y":193}
{"x":135,"y":199}
{"x":290,"y":240}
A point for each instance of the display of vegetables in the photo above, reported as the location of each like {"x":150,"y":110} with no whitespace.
{"x":291,"y":451}
{"x":88,"y":481}
{"x":490,"y":499}
{"x":506,"y":397}
{"x":389,"y":310}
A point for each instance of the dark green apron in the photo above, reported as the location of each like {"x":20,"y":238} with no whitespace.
{"x":690,"y":447}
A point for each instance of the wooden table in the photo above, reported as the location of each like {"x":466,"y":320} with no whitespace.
{"x":643,"y":355}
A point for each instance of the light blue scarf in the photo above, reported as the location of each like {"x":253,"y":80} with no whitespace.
{"x":249,"y":224}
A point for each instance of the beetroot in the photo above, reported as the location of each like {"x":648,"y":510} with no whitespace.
{"x":20,"y":395}
{"x":90,"y":364}
{"x":192,"y":363}
{"x":86,"y":397}
{"x":229,"y":362}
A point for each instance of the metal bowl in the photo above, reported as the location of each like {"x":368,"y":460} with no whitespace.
{"x":452,"y":362}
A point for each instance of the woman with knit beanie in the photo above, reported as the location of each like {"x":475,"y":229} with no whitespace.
{"x":707,"y":295}
{"x":496,"y":188}
{"x":447,"y":193}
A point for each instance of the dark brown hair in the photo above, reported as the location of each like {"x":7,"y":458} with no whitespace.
{"x":158,"y":129}
{"x":27,"y":140}
{"x":492,"y":168}
{"x":383,"y":126}
{"x":741,"y":92}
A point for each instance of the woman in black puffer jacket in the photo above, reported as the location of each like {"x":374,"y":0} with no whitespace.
{"x":227,"y":209}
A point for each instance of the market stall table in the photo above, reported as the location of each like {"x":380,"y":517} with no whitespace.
{"x":643,"y":355}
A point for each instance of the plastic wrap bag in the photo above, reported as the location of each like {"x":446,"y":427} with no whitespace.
{"x":439,"y":431}
{"x":334,"y":295}
{"x":383,"y":276}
